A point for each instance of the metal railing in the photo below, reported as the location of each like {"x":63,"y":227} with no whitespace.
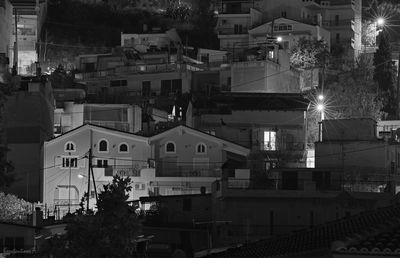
{"x":171,"y":170}
{"x":232,"y":31}
{"x":122,"y":126}
{"x":286,"y":146}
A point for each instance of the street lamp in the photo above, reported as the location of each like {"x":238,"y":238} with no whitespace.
{"x":380,"y":21}
{"x":279,"y":39}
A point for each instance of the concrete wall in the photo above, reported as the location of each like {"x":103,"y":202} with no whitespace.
{"x":362,"y":129}
{"x":265,"y":76}
{"x":12,"y":231}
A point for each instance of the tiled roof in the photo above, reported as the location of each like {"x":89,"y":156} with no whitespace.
{"x":337,"y":235}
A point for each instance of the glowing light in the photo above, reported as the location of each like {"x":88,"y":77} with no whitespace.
{"x":380,"y":21}
{"x":320,"y":107}
{"x":279,"y":39}
{"x":320,"y":97}
{"x":80,"y":176}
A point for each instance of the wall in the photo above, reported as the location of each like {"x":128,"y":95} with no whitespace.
{"x":361,"y":129}
{"x":5,"y":26}
{"x":265,"y":76}
{"x":8,"y":230}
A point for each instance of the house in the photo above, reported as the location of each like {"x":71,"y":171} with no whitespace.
{"x":28,"y":116}
{"x":235,"y":19}
{"x":31,"y":16}
{"x":352,"y":145}
{"x":181,"y":160}
{"x":271,"y":125}
{"x":15,"y":238}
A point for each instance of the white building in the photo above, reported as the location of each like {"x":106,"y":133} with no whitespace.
{"x":181,"y":160}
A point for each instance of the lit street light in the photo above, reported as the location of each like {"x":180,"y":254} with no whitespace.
{"x":380,"y":21}
{"x":279,"y":39}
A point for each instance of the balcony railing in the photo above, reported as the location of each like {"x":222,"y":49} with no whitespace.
{"x":337,"y":23}
{"x":282,"y":146}
{"x":131,"y":69}
{"x":122,"y":126}
{"x":169,"y":170}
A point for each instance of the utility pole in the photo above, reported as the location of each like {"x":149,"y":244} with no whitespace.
{"x":88,"y":189}
{"x":69,"y":183}
{"x":15,"y":67}
{"x":398,"y":89}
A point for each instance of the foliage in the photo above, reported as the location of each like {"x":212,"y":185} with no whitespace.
{"x":384,"y":72}
{"x":14,"y":209}
{"x":109,"y":232}
{"x":368,"y":34}
{"x":61,"y":78}
{"x":179,"y":11}
{"x":309,"y":54}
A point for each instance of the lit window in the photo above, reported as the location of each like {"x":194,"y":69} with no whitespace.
{"x":170,"y":147}
{"x":69,"y":146}
{"x":269,"y":140}
{"x":201,"y":148}
{"x":69,"y":162}
{"x":103,"y":146}
{"x":123,"y":147}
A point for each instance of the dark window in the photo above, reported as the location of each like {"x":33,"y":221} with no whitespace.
{"x":19,"y":243}
{"x":9,"y":243}
{"x":103,"y":146}
{"x":108,"y":171}
{"x":348,"y":214}
{"x":70,"y":147}
{"x":337,"y":37}
{"x":118,"y":83}
{"x":271,"y":223}
{"x":311,"y":218}
{"x":171,"y":86}
{"x":123,"y":148}
{"x":187,"y":205}
{"x":201,"y":148}
{"x":170,"y":147}
{"x":1,"y":245}
{"x":336,"y":19}
{"x":283,"y":14}
{"x":69,"y":162}
{"x":89,"y":67}
{"x":146,"y":88}
{"x":238,"y":28}
{"x":289,"y":180}
{"x":102,"y":163}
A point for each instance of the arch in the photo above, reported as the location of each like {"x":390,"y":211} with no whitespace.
{"x":201,"y":148}
{"x":103,"y":145}
{"x":123,"y":147}
{"x":70,"y":146}
{"x":170,"y":147}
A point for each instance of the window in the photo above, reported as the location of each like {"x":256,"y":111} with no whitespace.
{"x":238,"y":28}
{"x":69,"y":162}
{"x":123,"y":147}
{"x":187,"y":205}
{"x":103,"y":145}
{"x":146,"y":88}
{"x":118,"y":83}
{"x":336,"y":19}
{"x":201,"y":148}
{"x":69,"y":147}
{"x":269,"y":140}
{"x":169,"y":87}
{"x":283,"y":14}
{"x":337,"y":38}
{"x":170,"y":147}
{"x":102,"y":163}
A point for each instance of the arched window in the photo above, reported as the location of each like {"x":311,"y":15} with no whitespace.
{"x":170,"y":147}
{"x":201,"y":148}
{"x":103,"y":145}
{"x":69,"y":147}
{"x":123,"y":147}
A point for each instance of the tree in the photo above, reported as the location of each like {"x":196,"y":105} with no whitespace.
{"x":14,"y":209}
{"x":109,"y":232}
{"x":384,"y":72}
{"x":309,"y":54}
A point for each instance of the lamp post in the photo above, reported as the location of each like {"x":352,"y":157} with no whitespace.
{"x":321,"y":109}
{"x":69,"y":182}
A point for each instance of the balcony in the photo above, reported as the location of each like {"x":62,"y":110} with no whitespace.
{"x":282,"y":146}
{"x":232,"y":31}
{"x":235,"y":7}
{"x":131,"y":69}
{"x":337,"y":23}
{"x":172,"y":170}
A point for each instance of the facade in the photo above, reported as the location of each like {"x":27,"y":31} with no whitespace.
{"x":272,"y":125}
{"x":352,"y":146}
{"x":16,"y":238}
{"x":28,"y":116}
{"x":6,"y":15}
{"x":122,"y":117}
{"x":30,"y":16}
{"x":181,"y":160}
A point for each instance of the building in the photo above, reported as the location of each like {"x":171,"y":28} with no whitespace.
{"x":352,"y":146}
{"x":28,"y":117}
{"x":235,"y":19}
{"x":16,"y":238}
{"x":6,"y":15}
{"x":272,"y":125}
{"x":121,"y":117}
{"x":181,"y":160}
{"x":30,"y":16}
